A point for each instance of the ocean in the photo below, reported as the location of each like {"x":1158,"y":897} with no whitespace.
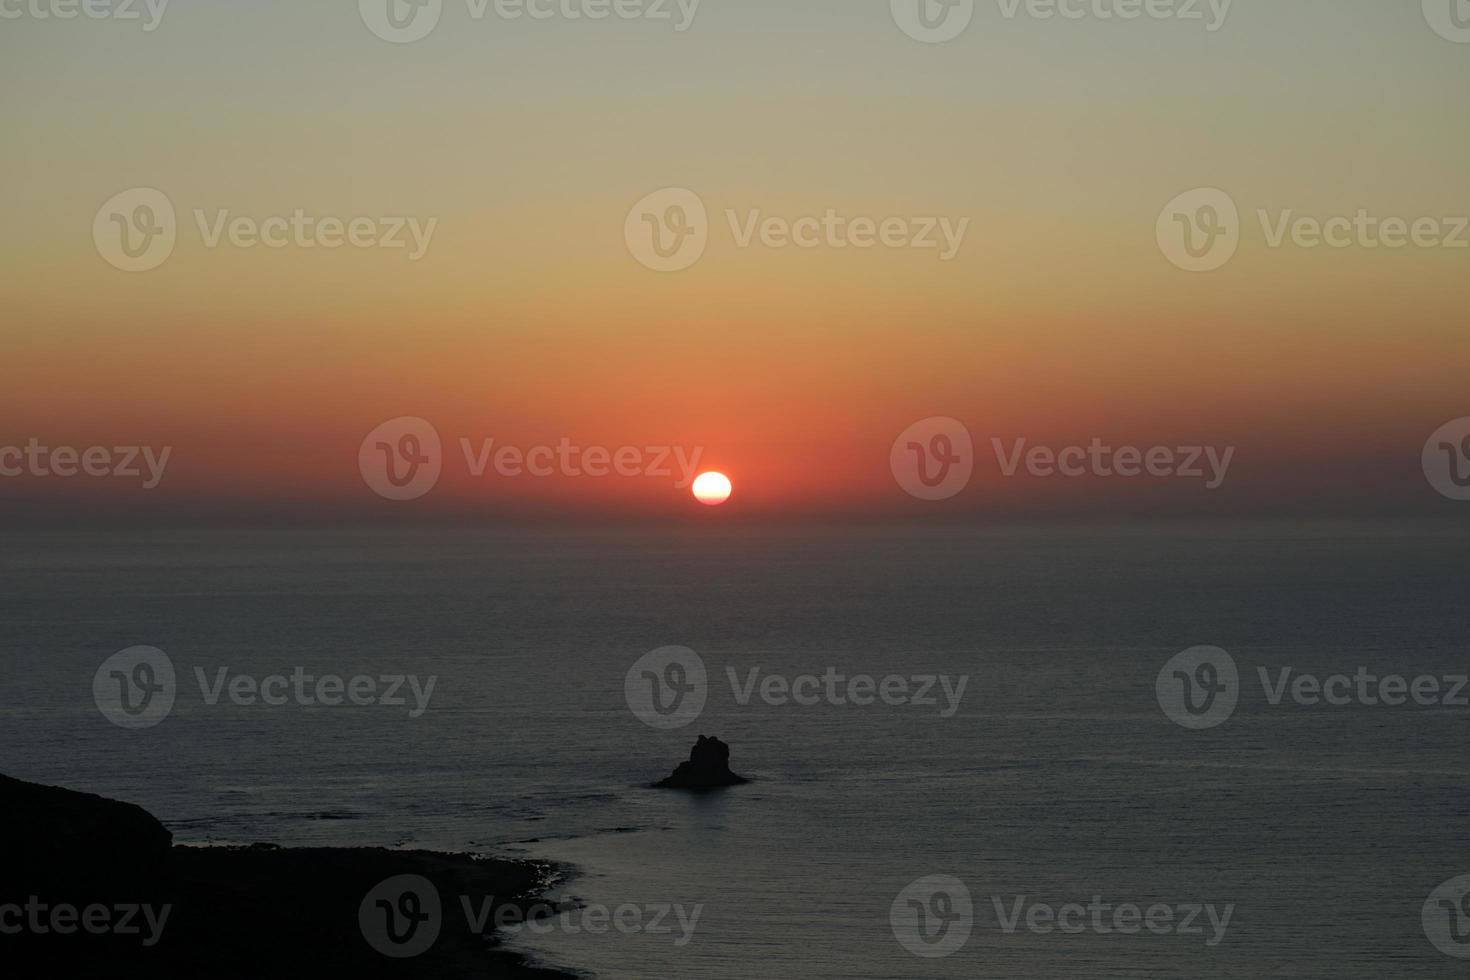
{"x":1071,"y":825}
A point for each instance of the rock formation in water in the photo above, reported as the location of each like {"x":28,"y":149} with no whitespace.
{"x":708,"y":768}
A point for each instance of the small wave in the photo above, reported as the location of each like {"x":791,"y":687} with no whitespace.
{"x":314,"y":815}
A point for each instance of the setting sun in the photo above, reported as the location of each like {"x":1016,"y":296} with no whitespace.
{"x":712,"y":488}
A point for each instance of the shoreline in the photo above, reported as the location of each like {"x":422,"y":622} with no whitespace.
{"x":328,"y":888}
{"x":100,"y":889}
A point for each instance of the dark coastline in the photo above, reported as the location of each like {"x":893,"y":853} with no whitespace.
{"x":234,"y":912}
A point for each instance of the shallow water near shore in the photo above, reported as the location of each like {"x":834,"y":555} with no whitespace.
{"x":1058,"y":780}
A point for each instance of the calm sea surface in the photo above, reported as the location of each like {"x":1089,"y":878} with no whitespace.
{"x":1058,"y":780}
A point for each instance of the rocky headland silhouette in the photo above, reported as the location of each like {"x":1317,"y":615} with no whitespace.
{"x":229,"y":912}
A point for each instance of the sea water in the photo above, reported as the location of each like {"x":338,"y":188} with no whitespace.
{"x":1057,"y":783}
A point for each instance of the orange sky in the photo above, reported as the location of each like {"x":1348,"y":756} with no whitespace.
{"x":529,"y":318}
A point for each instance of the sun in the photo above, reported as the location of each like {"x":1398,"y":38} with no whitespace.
{"x":712,"y":489}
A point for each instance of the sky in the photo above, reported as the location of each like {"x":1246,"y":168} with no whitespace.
{"x":520,"y":150}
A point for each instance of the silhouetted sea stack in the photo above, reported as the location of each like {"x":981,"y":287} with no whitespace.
{"x":708,"y":768}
